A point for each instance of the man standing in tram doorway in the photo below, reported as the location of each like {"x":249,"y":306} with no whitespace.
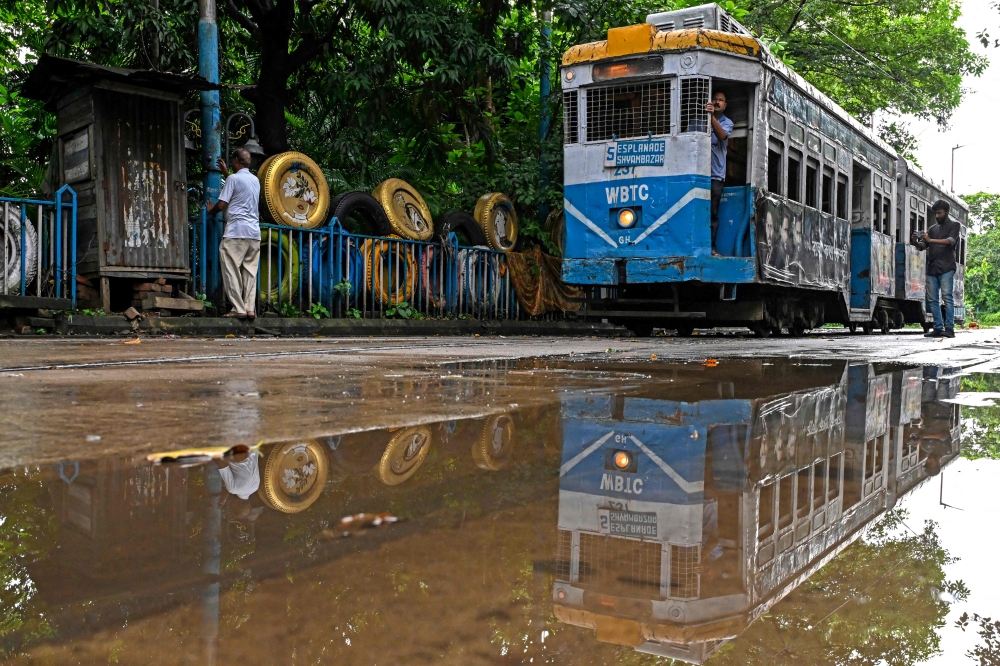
{"x":721,"y":127}
{"x":941,"y":244}
{"x":239,"y":251}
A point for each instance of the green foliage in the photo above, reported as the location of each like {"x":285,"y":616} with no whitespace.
{"x":288,"y":309}
{"x":981,"y":425}
{"x":879,"y":602}
{"x":445,"y":93}
{"x":982,"y":272}
{"x":353,"y":313}
{"x":403,"y":310}
{"x":317,"y":311}
{"x":99,"y":312}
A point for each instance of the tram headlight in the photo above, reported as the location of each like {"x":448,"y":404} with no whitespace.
{"x":622,"y":460}
{"x":569,"y":75}
{"x":626,"y":218}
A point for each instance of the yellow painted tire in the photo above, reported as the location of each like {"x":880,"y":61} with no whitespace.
{"x":294,"y":475}
{"x":262,"y":169}
{"x":404,"y":454}
{"x":273,"y":287}
{"x":493,"y":448}
{"x":408,"y":215}
{"x":383,"y":258}
{"x":496,"y":215}
{"x":295,"y":191}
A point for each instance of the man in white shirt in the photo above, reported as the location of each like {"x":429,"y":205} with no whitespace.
{"x":239,"y":251}
{"x":240,"y":474}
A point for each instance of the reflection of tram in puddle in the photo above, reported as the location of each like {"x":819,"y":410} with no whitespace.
{"x":682,"y":521}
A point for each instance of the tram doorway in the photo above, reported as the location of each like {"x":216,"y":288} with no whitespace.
{"x":733,"y":237}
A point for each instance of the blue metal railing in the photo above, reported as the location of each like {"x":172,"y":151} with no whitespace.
{"x":370,"y":276}
{"x":39,"y":246}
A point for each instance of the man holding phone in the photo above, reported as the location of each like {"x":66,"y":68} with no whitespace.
{"x":941,"y":244}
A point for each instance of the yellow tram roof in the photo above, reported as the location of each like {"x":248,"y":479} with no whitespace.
{"x":645,"y":38}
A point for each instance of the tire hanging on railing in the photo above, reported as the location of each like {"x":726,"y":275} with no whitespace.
{"x":275,"y":287}
{"x":493,"y":448}
{"x":10,"y":228}
{"x":464,"y":226}
{"x":360,"y":213}
{"x":477,"y":266}
{"x":294,"y":475}
{"x":404,"y":454}
{"x":408,"y":215}
{"x":388,"y":260}
{"x":434,"y":274}
{"x":496,"y":215}
{"x":295,"y":190}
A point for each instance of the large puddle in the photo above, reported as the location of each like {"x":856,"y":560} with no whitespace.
{"x":758,"y":511}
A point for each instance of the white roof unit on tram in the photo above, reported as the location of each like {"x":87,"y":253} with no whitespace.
{"x":709,"y":17}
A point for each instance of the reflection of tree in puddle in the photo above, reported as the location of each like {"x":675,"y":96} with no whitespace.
{"x":981,"y":429}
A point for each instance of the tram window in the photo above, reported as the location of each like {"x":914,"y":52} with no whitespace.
{"x":797,"y":133}
{"x":886,"y":213}
{"x":913,"y":223}
{"x":694,"y":97}
{"x":571,"y":117}
{"x":774,"y":167}
{"x":830,"y":153}
{"x":827,"y":190}
{"x":627,"y":111}
{"x":812,"y":169}
{"x":899,"y":225}
{"x":842,"y":196}
{"x":921,"y":223}
{"x":853,"y":481}
{"x":877,"y":213}
{"x":833,"y":475}
{"x":793,"y":190}
{"x":804,"y":494}
{"x":819,"y":480}
{"x":776,"y":121}
{"x":785,"y":502}
{"x":765,"y":512}
{"x":812,"y":142}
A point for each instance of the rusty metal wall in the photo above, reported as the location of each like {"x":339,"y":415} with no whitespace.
{"x":145,"y":221}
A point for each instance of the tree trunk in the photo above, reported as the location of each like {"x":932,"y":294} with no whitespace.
{"x":270,"y":95}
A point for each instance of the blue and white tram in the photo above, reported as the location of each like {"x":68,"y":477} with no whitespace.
{"x":816,"y":210}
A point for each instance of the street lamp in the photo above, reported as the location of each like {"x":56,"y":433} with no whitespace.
{"x":189,"y":145}
{"x":953,"y":166}
{"x":251,"y":146}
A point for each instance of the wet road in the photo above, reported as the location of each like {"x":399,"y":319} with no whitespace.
{"x":525,"y":501}
{"x":81,"y":398}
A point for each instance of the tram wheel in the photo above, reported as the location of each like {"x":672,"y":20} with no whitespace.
{"x":885,"y":329}
{"x":684,"y":330}
{"x":761,"y":331}
{"x":797,"y":331}
{"x":927,"y":327}
{"x":867,"y":328}
{"x":853,"y":328}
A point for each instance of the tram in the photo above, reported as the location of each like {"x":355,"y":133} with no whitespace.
{"x":682,"y":521}
{"x":816,"y":211}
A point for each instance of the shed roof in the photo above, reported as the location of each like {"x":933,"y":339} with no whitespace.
{"x":53,"y":76}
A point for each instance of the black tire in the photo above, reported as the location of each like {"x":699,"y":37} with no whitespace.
{"x":360,"y":213}
{"x":463,"y":225}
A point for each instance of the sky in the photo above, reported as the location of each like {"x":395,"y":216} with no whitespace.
{"x":971,"y":125}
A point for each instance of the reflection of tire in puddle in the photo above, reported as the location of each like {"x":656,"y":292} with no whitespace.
{"x":294,"y":476}
{"x":493,"y":448}
{"x":403,"y":455}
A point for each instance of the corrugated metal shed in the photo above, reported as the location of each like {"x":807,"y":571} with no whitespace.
{"x":121,"y":147}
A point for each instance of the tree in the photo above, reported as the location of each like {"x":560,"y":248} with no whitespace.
{"x":982,"y":271}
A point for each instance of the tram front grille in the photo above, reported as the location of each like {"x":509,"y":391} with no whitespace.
{"x":628,"y":111}
{"x":620,"y":565}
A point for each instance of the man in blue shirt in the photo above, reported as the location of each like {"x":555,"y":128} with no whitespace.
{"x":721,"y":127}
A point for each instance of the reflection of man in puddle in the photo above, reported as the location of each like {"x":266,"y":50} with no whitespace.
{"x":241,"y":477}
{"x":935,"y":435}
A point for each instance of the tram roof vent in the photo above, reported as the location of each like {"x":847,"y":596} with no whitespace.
{"x":710,"y":17}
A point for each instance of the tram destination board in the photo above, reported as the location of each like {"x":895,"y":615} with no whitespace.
{"x":649,"y":152}
{"x":627,"y":523}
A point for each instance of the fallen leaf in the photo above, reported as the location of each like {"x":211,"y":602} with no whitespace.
{"x":710,"y":362}
{"x":652,"y":357}
{"x":230,"y":335}
{"x":132,"y":342}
